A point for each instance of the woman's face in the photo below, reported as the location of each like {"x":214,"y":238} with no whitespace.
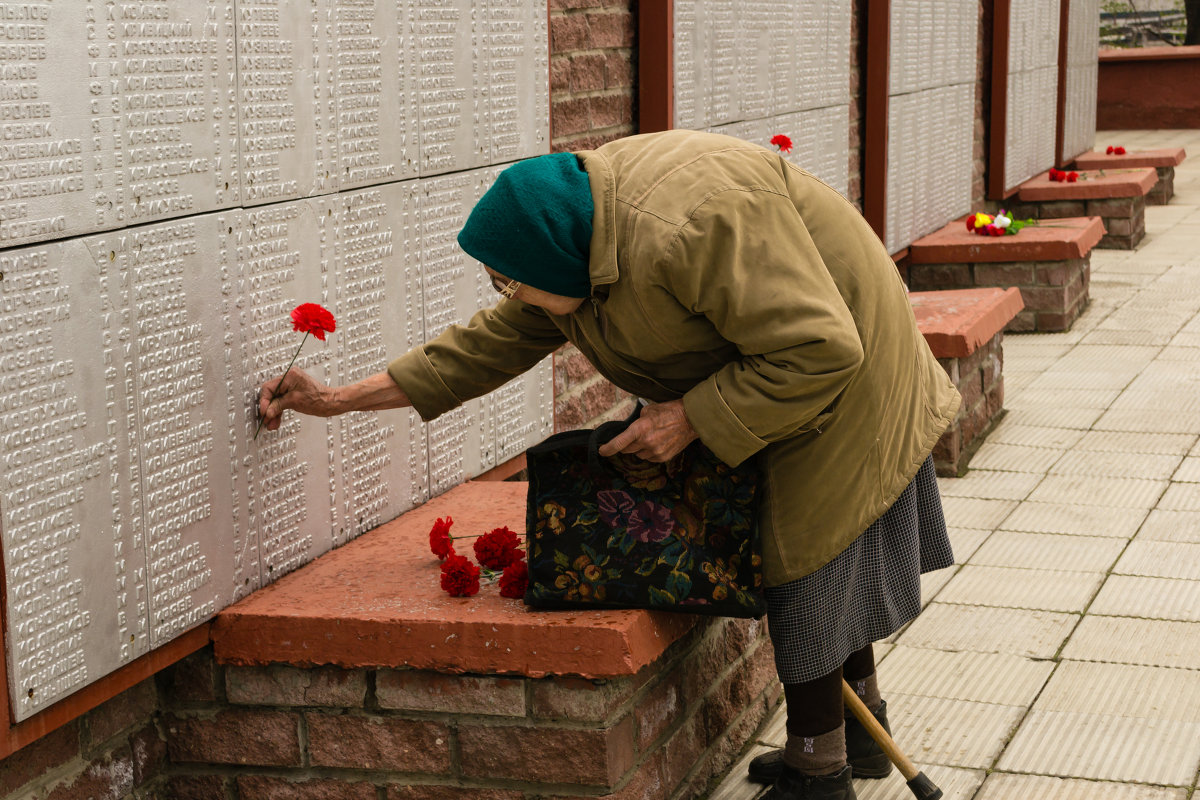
{"x":556,"y":304}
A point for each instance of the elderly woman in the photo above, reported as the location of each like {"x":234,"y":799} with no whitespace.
{"x":756,"y":310}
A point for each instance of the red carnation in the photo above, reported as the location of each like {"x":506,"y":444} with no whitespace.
{"x":460,"y":578}
{"x":782,"y":142}
{"x":1072,"y":177}
{"x":1119,"y":151}
{"x":1054,"y":174}
{"x":440,"y":540}
{"x":971,"y":224}
{"x":312,"y":318}
{"x":515,"y":579}
{"x":1109,"y":151}
{"x":498,"y":548}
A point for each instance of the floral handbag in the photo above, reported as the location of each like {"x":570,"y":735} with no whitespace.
{"x":620,"y":532}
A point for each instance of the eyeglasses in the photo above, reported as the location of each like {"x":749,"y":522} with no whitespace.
{"x":507,"y":289}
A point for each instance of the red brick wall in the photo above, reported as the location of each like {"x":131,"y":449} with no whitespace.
{"x":111,"y":751}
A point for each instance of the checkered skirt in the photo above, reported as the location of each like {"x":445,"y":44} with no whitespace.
{"x":867,"y":592}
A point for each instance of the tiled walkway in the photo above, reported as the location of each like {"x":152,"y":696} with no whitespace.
{"x":1060,"y":659}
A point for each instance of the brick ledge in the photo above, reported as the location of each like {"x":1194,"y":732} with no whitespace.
{"x":1163,"y":157}
{"x":377,"y":602}
{"x":1131,"y":182}
{"x":957,"y":322}
{"x":1053,"y":240}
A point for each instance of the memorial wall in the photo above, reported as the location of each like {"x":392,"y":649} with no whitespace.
{"x":1082,"y":75}
{"x":175,"y":176}
{"x":757,"y":68}
{"x":1032,"y":111}
{"x":931,"y":117}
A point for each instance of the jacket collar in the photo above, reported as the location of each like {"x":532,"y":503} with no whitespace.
{"x":602,"y":256}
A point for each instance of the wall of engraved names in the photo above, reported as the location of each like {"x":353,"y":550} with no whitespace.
{"x":1031,"y":120}
{"x":175,"y":176}
{"x":931,"y":118}
{"x":1082,"y":76}
{"x":756,"y":68}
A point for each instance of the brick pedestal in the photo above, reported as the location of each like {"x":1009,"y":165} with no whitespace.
{"x":1117,"y":196}
{"x":1049,"y":264}
{"x":357,"y":676}
{"x":965,"y":330}
{"x":1164,"y":161}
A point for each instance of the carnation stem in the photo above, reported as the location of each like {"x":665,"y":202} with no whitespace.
{"x":281,"y":380}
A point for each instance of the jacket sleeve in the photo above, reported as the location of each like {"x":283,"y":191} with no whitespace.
{"x":467,"y":361}
{"x":748,"y":264}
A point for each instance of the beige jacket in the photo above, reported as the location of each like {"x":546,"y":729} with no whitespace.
{"x":726,"y":276}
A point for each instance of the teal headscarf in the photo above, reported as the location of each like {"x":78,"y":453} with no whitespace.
{"x":535,"y":225}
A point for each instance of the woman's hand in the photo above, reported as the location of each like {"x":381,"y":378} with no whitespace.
{"x":304,"y":393}
{"x":300,"y":392}
{"x":659,"y":434}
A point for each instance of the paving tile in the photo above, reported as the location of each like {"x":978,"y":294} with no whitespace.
{"x":990,"y":484}
{"x":965,"y":541}
{"x":1136,"y":419}
{"x":1181,"y":497}
{"x":1041,"y":550}
{"x":1128,"y":337}
{"x":972,"y":512}
{"x":774,"y":730}
{"x":1009,"y":786}
{"x":1164,"y":525}
{"x":1152,"y":598}
{"x":956,"y":733}
{"x":1188,"y":471}
{"x":1177,"y":353}
{"x":1127,"y":640}
{"x":1160,"y":560}
{"x":1123,"y":690}
{"x":1106,"y":356}
{"x":1072,"y":744}
{"x":932,"y":583}
{"x":1008,"y":587}
{"x":1100,"y":491}
{"x":980,"y":677}
{"x":1149,"y":397}
{"x":1060,"y":417}
{"x":956,"y":784}
{"x":1011,"y":433}
{"x":982,"y":629}
{"x":1077,"y":379}
{"x":1074,"y":519}
{"x":1035,"y":345}
{"x":735,"y":785}
{"x":1068,"y":398}
{"x":1116,"y":465}
{"x":1014,"y":458}
{"x":1119,"y":442}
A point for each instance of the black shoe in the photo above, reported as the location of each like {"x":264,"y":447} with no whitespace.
{"x":863,"y":754}
{"x":793,"y":785}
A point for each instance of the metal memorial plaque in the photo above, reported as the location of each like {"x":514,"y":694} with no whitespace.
{"x":453,"y":286}
{"x":286,"y":110}
{"x":931,"y":119}
{"x":373,"y":92}
{"x":753,"y":70}
{"x":175,"y":177}
{"x":1082,"y":76}
{"x":112,"y":115}
{"x":1030,"y":124}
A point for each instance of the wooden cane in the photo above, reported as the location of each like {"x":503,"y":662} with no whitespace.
{"x":920,"y":785}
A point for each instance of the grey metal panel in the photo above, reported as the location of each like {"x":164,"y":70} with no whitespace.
{"x":113,"y":115}
{"x":930,"y":164}
{"x":1031,"y":120}
{"x":1083,"y":69}
{"x":820,"y":140}
{"x":517,"y":48}
{"x":75,"y":572}
{"x":452,"y":100}
{"x":374,"y":92}
{"x":931,"y":119}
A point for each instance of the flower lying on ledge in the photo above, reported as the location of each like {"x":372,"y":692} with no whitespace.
{"x":1060,"y":176}
{"x":495,"y":550}
{"x":782,"y":142}
{"x":1115,"y":151}
{"x":1000,"y":225}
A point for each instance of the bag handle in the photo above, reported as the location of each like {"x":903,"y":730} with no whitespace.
{"x":604,"y":434}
